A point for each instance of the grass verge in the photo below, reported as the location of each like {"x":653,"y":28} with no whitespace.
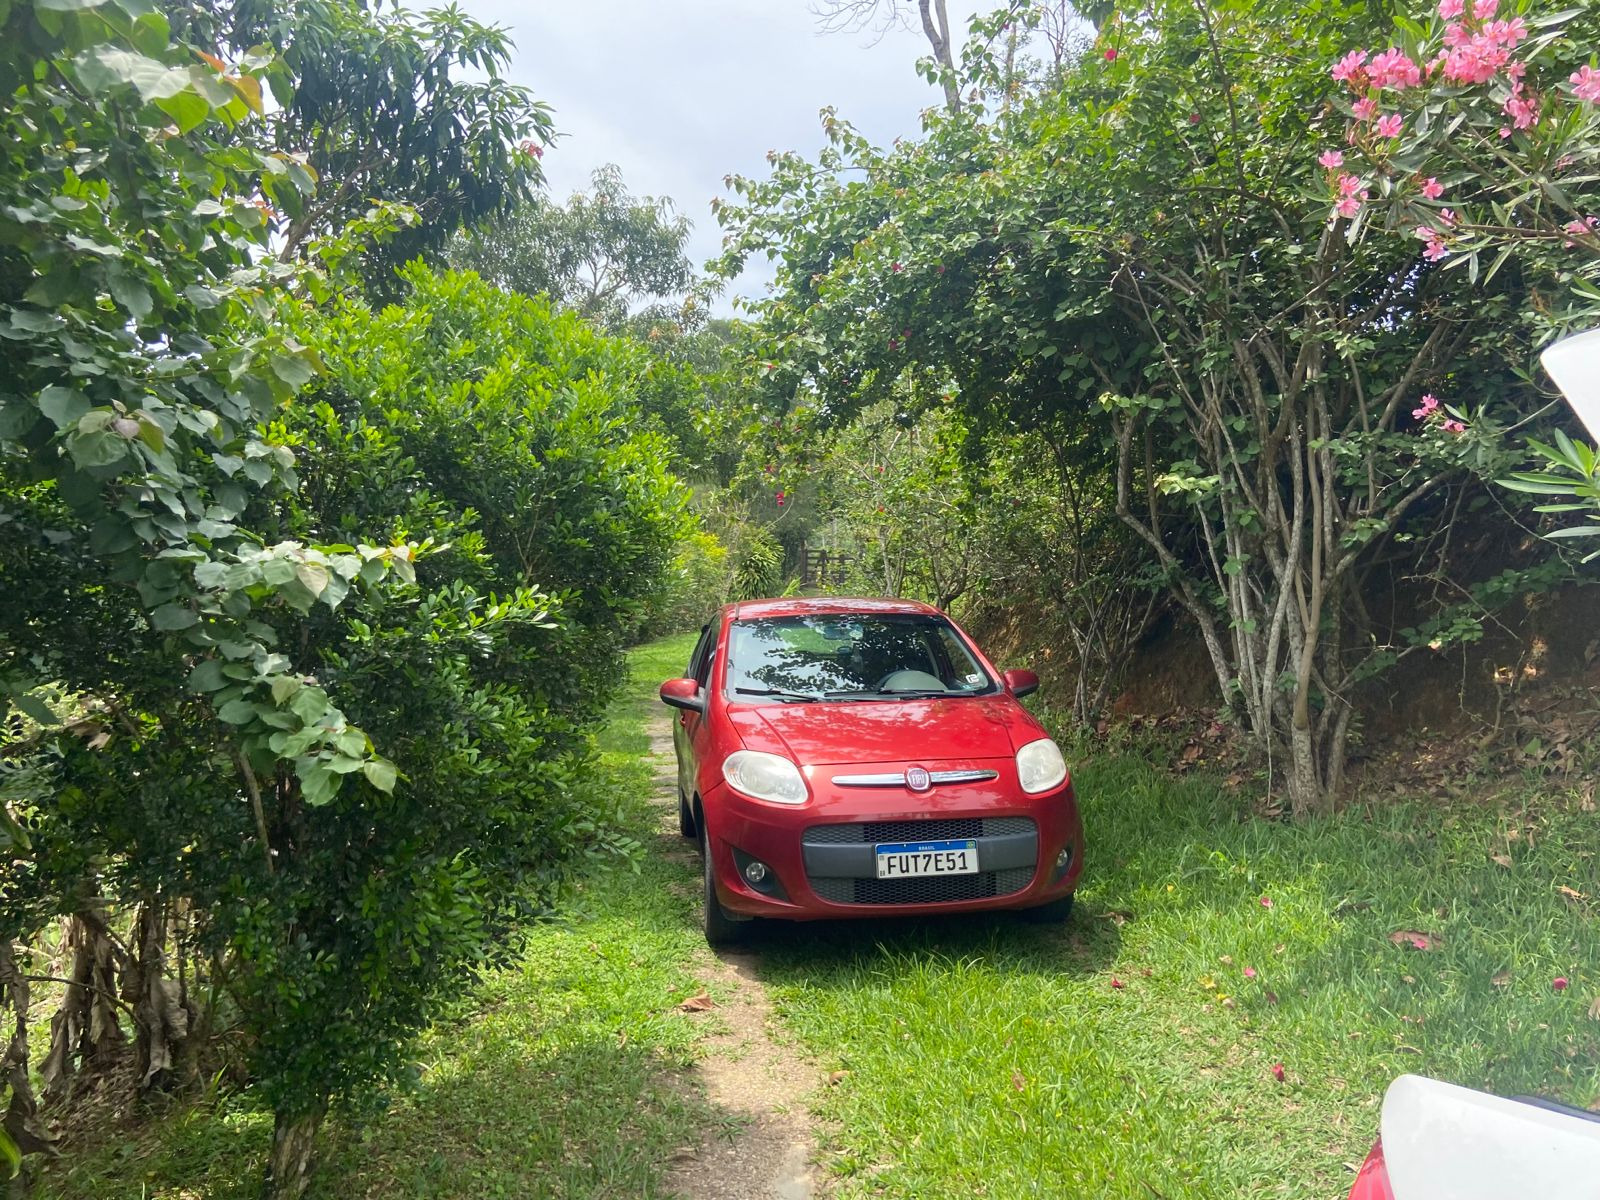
{"x":1131,"y":1053}
{"x":556,"y":1076}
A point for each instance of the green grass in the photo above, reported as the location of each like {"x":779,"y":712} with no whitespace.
{"x":990,"y":1058}
{"x":558,"y":1076}
{"x":986,"y":1057}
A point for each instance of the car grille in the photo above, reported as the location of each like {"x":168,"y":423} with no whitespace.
{"x":925,"y":889}
{"x":917,"y":830}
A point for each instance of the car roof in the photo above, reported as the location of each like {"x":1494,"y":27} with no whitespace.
{"x":803,"y":606}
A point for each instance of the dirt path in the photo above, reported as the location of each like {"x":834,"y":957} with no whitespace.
{"x":760,"y":1083}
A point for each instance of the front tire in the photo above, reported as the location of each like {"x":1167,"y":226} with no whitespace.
{"x":720,"y":928}
{"x":1054,"y":913}
{"x":685,"y":818}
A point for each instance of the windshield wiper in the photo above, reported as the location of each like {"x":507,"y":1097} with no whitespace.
{"x":777,"y":694}
{"x":897,"y":693}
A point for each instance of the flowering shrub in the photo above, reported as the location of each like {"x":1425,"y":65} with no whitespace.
{"x":1476,"y":133}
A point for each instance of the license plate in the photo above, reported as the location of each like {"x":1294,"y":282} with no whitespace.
{"x":902,"y":860}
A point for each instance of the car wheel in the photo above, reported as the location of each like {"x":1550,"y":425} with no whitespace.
{"x":720,"y":928}
{"x":1052,"y":913}
{"x":685,"y":818}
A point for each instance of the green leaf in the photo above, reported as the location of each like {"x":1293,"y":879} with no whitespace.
{"x":189,"y":109}
{"x":292,"y":369}
{"x":380,"y":773}
{"x":173,"y":616}
{"x":63,"y":405}
{"x":35,"y":708}
{"x":106,"y":66}
{"x":1573,"y":531}
{"x":208,"y":676}
{"x":236,"y":712}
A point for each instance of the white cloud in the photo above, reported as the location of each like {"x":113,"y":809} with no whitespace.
{"x":680,"y":93}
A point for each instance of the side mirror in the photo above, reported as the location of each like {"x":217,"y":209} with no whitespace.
{"x":1021,"y":683}
{"x":683,"y":693}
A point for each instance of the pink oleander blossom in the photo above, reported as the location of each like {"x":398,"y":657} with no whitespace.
{"x":1389,"y":126}
{"x":1435,"y":250}
{"x":1349,"y":206}
{"x":1392,"y":69}
{"x":1432,"y":188}
{"x":1351,"y":69}
{"x":1349,"y":184}
{"x":1429,"y":404}
{"x":1365,"y":108}
{"x":1449,"y":10}
{"x":1453,"y":426}
{"x":1506,"y":33}
{"x":1484,"y":9}
{"x":1476,"y":58}
{"x":1447,"y":216}
{"x":1586,"y":84}
{"x":1523,"y":111}
{"x":1330,"y":159}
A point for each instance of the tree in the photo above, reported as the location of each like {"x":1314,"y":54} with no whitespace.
{"x":602,"y":254}
{"x":397,"y":106}
{"x":1129,"y":258}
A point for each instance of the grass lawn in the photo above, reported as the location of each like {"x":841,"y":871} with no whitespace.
{"x":1126,"y":1054}
{"x":1131,"y":1052}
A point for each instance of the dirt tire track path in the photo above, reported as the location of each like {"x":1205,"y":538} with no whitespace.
{"x":762,"y":1084}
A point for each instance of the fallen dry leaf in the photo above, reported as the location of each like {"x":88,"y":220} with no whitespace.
{"x":1414,"y":938}
{"x":1500,"y":980}
{"x":1572,"y":894}
{"x":700,"y":1003}
{"x":837,"y":1077}
{"x":1503,"y":859}
{"x":1594,"y":1010}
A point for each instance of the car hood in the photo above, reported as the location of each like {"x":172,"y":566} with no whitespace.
{"x":916,"y":731}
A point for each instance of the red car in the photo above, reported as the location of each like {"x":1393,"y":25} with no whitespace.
{"x":841,"y":758}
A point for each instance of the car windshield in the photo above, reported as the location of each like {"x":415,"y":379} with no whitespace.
{"x":879,"y":656}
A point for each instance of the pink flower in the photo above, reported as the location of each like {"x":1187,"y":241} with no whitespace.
{"x":778,"y":496}
{"x":1559,"y":983}
{"x":1451,"y":426}
{"x":1484,"y":9}
{"x":1349,"y":185}
{"x":1348,"y":206}
{"x":1451,"y":9}
{"x":1390,"y":126}
{"x":1581,"y":228}
{"x":1474,"y":58}
{"x":1586,"y":84}
{"x":1194,"y":118}
{"x":1435,"y":250}
{"x":532,"y":148}
{"x":1277,"y":1072}
{"x":895,"y":267}
{"x":1330,"y":159}
{"x":1392,"y":69}
{"x":1266,"y":902}
{"x":1506,"y":33}
{"x":1117,"y":983}
{"x":1429,"y":403}
{"x":1432,"y":188}
{"x":1349,"y":69}
{"x":1447,"y":216}
{"x":1111,"y":54}
{"x":1523,"y":111}
{"x":1249,"y":972}
{"x":1365,"y":108}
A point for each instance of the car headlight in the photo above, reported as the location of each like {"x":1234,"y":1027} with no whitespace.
{"x":1040,"y":766}
{"x":764,"y":776}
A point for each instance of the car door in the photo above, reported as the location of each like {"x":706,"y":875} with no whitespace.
{"x":688,"y":730}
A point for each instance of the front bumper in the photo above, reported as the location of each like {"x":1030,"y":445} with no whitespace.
{"x":821,"y":861}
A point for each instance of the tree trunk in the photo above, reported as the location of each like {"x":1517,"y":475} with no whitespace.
{"x":938,"y":35}
{"x":289,"y":1164}
{"x":160,"y":1020}
{"x":20,"y":1119}
{"x":85,"y":1027}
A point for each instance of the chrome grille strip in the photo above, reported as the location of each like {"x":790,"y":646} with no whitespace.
{"x":898,"y":779}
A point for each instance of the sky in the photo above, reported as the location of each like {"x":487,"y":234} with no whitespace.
{"x":680,"y":93}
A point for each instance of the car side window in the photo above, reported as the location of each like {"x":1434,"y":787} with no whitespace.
{"x":697,"y":659}
{"x":703,"y":675}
